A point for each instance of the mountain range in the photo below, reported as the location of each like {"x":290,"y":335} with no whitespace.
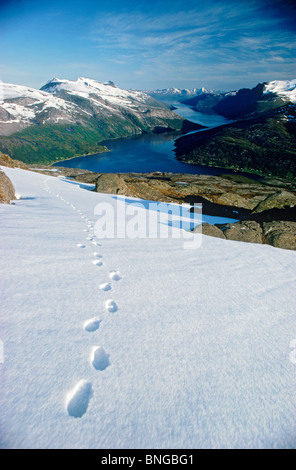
{"x":67,"y":118}
{"x":178,"y":94}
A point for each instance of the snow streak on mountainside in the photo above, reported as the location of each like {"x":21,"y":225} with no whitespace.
{"x":126,"y":343}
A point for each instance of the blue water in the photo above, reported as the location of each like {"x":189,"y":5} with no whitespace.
{"x":147,"y":152}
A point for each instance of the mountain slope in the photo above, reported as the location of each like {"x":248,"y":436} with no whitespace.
{"x":263,"y":145}
{"x":68,"y":118}
{"x":245,"y":102}
{"x":265,"y":96}
{"x":263,"y":138}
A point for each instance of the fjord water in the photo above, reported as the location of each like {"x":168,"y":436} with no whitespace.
{"x":147,"y":152}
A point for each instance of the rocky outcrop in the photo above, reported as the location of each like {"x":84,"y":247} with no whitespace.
{"x":6,"y":189}
{"x":246,"y":231}
{"x":278,"y":200}
{"x":210,"y":230}
{"x":240,"y":193}
{"x":5,"y":160}
{"x":112,"y":183}
{"x":264,"y":211}
{"x":280,"y":233}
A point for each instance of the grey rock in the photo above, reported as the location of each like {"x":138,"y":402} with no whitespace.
{"x":278,"y":200}
{"x":246,"y":231}
{"x":112,"y":183}
{"x":6,"y":189}
{"x":210,"y":230}
{"x":280,"y":233}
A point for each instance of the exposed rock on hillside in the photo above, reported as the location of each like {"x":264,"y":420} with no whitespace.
{"x":232,"y":196}
{"x":278,"y":200}
{"x":5,"y":160}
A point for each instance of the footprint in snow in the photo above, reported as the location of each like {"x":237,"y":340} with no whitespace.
{"x":111,"y":306}
{"x":115,"y":275}
{"x":78,"y":399}
{"x":105,"y":286}
{"x":97,"y":255}
{"x":92,"y":324}
{"x":99,"y":358}
{"x":97,"y":262}
{"x":80,"y":245}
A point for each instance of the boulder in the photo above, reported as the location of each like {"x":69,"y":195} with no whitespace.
{"x":6,"y":189}
{"x":278,"y":200}
{"x":231,"y":199}
{"x":112,"y":183}
{"x":280,"y":233}
{"x":246,"y":231}
{"x":210,"y":230}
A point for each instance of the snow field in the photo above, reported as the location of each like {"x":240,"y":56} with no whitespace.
{"x":190,"y":350}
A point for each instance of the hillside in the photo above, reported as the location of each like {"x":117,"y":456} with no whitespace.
{"x":261,"y":140}
{"x":70,"y":118}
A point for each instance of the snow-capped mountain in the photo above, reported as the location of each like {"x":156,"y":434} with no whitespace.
{"x":168,"y":94}
{"x":263,"y":97}
{"x":67,"y":118}
{"x":286,"y":89}
{"x":71,"y":102}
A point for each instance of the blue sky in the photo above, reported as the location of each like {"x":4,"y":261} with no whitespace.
{"x":222,"y":45}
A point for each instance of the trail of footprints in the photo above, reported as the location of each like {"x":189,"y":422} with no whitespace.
{"x":78,"y":398}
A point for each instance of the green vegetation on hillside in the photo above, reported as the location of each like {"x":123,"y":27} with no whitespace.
{"x":267,"y":147}
{"x":50,"y":143}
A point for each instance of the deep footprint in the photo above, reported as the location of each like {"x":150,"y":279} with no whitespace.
{"x":111,"y":306}
{"x":92,"y":324}
{"x":99,"y":358}
{"x":97,"y":262}
{"x":106,"y":286}
{"x":78,"y":399}
{"x":114,"y":275}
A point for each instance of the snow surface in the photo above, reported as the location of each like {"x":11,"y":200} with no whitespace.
{"x":284,"y":88}
{"x":156,"y":346}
